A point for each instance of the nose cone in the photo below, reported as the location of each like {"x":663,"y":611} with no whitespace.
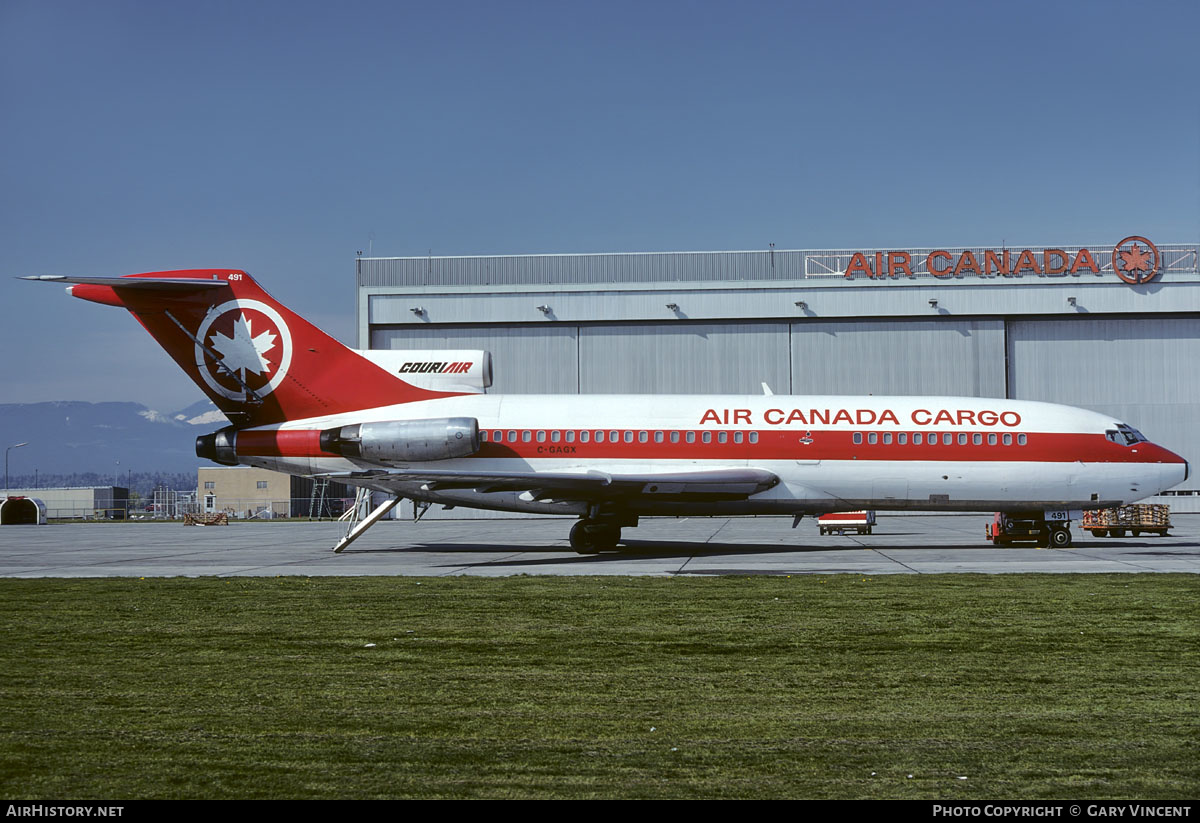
{"x":1175,"y":469}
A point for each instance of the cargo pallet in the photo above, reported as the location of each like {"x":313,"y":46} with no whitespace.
{"x":211,"y":519}
{"x":1138,"y":519}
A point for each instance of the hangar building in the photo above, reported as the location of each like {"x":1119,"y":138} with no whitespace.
{"x":80,"y":502}
{"x":1112,"y":326}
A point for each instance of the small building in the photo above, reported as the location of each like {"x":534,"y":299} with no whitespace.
{"x":246,"y":492}
{"x":81,"y":502}
{"x":241,"y":491}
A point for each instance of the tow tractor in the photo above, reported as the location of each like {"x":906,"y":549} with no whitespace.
{"x":1043,"y":529}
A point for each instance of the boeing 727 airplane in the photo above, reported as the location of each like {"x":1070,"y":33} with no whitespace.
{"x":419,"y":424}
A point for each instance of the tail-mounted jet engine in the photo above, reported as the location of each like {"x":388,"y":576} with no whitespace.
{"x":384,"y":443}
{"x":404,"y":441}
{"x":219,"y":447}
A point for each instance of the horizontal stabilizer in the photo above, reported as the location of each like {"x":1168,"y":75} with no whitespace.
{"x":146,"y":283}
{"x":258,"y":361}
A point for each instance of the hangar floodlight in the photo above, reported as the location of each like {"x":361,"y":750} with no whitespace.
{"x":544,"y":309}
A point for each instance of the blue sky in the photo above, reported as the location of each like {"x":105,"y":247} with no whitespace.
{"x":281,"y":137}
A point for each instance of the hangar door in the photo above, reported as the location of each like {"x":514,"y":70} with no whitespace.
{"x":683,"y":358}
{"x":963,"y":358}
{"x":937,"y":357}
{"x":1141,"y":370}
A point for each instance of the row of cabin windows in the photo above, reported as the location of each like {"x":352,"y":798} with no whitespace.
{"x":610,"y":436}
{"x":931,"y":438}
{"x":627,"y":436}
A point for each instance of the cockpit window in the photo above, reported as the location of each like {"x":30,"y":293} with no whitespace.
{"x":1125,"y":435}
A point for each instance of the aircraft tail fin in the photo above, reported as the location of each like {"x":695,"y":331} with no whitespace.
{"x":257,"y":360}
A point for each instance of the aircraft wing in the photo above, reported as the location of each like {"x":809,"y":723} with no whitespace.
{"x":715,"y":484}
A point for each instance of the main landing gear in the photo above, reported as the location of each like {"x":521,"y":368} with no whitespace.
{"x":599,"y":532}
{"x":590,"y":537}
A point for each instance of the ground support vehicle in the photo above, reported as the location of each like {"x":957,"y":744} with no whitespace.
{"x":1139,"y":518}
{"x":859,"y":522}
{"x":1043,"y":531}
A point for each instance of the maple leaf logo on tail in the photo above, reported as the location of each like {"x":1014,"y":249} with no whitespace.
{"x":1135,"y":260}
{"x":243,"y":350}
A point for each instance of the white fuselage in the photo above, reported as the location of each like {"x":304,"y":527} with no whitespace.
{"x":829,"y":453}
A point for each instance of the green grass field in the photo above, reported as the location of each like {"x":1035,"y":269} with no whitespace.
{"x":950,"y":687}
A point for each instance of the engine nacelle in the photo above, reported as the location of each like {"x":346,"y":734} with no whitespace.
{"x":219,"y":447}
{"x":404,"y":441}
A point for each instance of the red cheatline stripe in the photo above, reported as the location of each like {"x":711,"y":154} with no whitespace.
{"x":838,"y":445}
{"x":771,"y":445}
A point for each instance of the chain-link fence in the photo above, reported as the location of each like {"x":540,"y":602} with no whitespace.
{"x":174,"y":508}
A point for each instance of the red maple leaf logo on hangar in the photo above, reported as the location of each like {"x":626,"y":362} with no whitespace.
{"x":1135,"y":260}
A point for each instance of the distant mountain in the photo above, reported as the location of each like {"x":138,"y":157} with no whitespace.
{"x":201,"y":413}
{"x":108,"y":439}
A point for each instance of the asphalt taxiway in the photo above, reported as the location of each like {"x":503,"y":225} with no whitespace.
{"x":660,"y":546}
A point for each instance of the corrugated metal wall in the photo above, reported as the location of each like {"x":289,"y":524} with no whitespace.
{"x":949,"y":357}
{"x":690,"y":358}
{"x":667,"y":267}
{"x":946,"y":357}
{"x":553,"y":269}
{"x":1140,"y":369}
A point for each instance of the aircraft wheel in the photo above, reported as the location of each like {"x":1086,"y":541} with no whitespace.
{"x":1060,"y":538}
{"x":590,"y":537}
{"x":607,"y":537}
{"x":582,"y":540}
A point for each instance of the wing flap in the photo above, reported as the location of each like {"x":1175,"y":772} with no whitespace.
{"x":726,"y":483}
